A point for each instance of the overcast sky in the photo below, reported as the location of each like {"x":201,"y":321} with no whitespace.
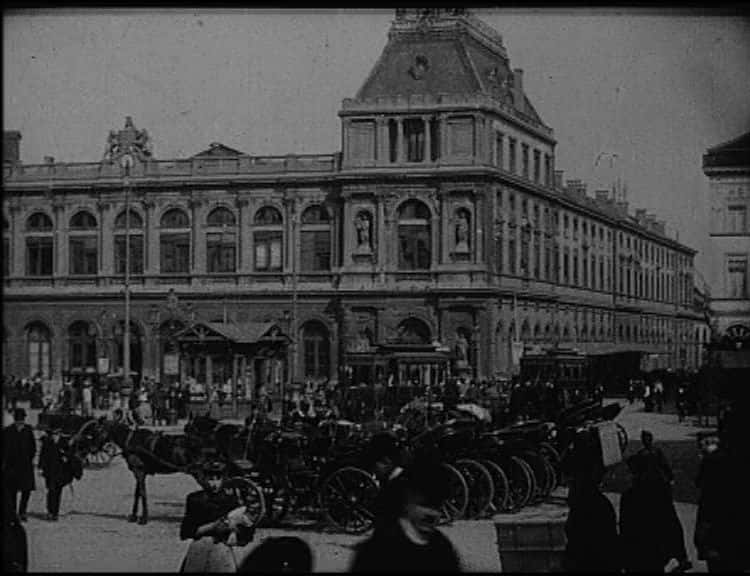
{"x":653,"y":88}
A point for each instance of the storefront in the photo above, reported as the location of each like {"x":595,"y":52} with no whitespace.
{"x":228,"y":364}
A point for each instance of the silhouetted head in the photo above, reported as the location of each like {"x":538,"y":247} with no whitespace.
{"x":647,"y":439}
{"x":284,"y":554}
{"x":213,"y":473}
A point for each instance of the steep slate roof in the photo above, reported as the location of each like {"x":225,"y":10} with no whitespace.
{"x":734,"y":153}
{"x":458,"y":63}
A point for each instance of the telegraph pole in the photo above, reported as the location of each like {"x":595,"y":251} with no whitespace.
{"x":126,"y":161}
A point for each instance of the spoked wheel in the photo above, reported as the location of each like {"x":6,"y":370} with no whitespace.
{"x":276,"y":499}
{"x":521,"y":482}
{"x":550,"y":453}
{"x":500,"y":485}
{"x":455,"y":504}
{"x":481,"y":489}
{"x":348,"y":497}
{"x":251,"y":496}
{"x":539,"y":473}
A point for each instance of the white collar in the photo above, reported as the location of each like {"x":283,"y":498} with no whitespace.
{"x":411,"y":532}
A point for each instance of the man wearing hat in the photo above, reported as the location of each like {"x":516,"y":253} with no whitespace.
{"x":214,"y":519}
{"x":53,"y":462}
{"x":19,"y":449}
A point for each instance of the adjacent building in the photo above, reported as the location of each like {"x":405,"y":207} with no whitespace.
{"x":727,"y":167}
{"x":440,"y":239}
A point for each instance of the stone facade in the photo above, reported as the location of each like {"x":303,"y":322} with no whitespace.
{"x":443,"y":211}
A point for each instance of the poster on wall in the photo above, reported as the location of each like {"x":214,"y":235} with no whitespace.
{"x":103,"y":365}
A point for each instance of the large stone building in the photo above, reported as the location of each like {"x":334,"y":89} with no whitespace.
{"x":440,"y":238}
{"x":728,"y":169}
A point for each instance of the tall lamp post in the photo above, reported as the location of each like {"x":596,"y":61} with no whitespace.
{"x":126,"y":161}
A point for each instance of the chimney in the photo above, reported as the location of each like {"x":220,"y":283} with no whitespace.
{"x":559,"y":179}
{"x":49,"y":159}
{"x":576,"y":189}
{"x":11,"y":147}
{"x":518,"y":79}
{"x":622,"y":207}
{"x":602,"y":196}
{"x":640,"y":215}
{"x":660,"y":227}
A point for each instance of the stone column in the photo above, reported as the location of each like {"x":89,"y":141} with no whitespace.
{"x":427,"y":139}
{"x":380,"y":228}
{"x":60,"y":265}
{"x":198,"y":240}
{"x":349,"y":242}
{"x":17,"y":242}
{"x":102,"y":208}
{"x":106,"y":241}
{"x":243,"y":233}
{"x":401,"y":144}
{"x":381,"y":140}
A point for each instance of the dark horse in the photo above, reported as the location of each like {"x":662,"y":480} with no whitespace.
{"x":149,"y":452}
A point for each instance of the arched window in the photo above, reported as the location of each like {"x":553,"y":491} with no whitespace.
{"x":537,"y":332}
{"x":525,"y":330}
{"x":268,"y":239}
{"x":414,"y":241}
{"x":38,"y":347}
{"x":135,"y":232}
{"x":82,"y":347}
{"x":315,"y":242}
{"x":413,"y":331}
{"x":39,"y":245}
{"x":221,"y":241}
{"x":83,"y":242}
{"x":174,"y":242}
{"x":316,"y":349}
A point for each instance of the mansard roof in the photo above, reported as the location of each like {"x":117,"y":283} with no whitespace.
{"x":451,"y":53}
{"x":217,"y":149}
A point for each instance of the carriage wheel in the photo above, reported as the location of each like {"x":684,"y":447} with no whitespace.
{"x":481,"y":488}
{"x":521,"y":482}
{"x":499,"y":484}
{"x":455,"y":505}
{"x":550,"y":453}
{"x":277,"y":501}
{"x":251,"y":496}
{"x":622,"y":437}
{"x":348,"y":498}
{"x":538,"y":473}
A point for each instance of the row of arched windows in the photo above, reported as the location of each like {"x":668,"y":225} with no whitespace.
{"x":415,"y":244}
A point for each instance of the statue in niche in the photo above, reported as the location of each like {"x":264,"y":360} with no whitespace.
{"x":362,"y":224}
{"x":462,"y":349}
{"x":462,"y":232}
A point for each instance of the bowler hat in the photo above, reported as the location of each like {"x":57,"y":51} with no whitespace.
{"x":19,"y":414}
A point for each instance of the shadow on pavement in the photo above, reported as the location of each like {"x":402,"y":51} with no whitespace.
{"x":124,"y":518}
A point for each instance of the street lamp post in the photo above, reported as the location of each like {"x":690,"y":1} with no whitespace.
{"x":126,"y":161}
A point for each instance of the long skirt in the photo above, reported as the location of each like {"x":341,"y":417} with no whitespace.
{"x":205,"y":555}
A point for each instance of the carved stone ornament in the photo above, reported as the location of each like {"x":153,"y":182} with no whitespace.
{"x":129,"y":140}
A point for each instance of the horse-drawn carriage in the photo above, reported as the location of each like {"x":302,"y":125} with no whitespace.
{"x":79,"y":431}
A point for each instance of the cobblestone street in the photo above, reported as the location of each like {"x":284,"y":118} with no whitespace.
{"x":94,"y":535}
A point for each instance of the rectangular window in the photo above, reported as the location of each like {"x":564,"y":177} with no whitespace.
{"x":525,"y":160}
{"x":566,"y":267}
{"x":6,"y":257}
{"x":268,"y":251}
{"x":737,"y":276}
{"x":575,"y":267}
{"x":315,"y":251}
{"x":498,"y":150}
{"x":83,"y":256}
{"x":435,"y":139}
{"x":537,"y":166}
{"x":585,"y":269}
{"x":221,"y":253}
{"x":175,"y":253}
{"x":415,"y":139}
{"x":512,"y":155}
{"x":414,"y":247}
{"x":136,"y":254}
{"x":737,"y":219}
{"x":393,"y":140}
{"x":362,"y":140}
{"x":547,"y":170}
{"x":39,"y":256}
{"x":512,"y":254}
{"x":537,"y":258}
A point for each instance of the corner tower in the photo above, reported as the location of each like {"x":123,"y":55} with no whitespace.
{"x":442,"y":92}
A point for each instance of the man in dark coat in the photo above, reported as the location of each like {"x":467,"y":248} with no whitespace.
{"x":59,"y":466}
{"x":15,"y":543}
{"x":408,"y":541}
{"x":19,"y":449}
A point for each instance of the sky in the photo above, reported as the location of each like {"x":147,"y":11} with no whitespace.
{"x":646,"y":92}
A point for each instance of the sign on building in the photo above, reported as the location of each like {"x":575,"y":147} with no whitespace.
{"x":171,"y":364}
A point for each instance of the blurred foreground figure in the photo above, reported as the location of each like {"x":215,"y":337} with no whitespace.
{"x":723,"y":482}
{"x":408,"y":540}
{"x":282,"y":555}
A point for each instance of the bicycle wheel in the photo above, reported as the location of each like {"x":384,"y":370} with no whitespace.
{"x":481,"y":488}
{"x":538,"y":471}
{"x":458,"y":495}
{"x":521,"y":482}
{"x":499,"y":483}
{"x":551,"y":476}
{"x":348,"y":498}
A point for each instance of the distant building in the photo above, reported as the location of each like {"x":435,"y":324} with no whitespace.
{"x":727,"y":167}
{"x":440,"y":240}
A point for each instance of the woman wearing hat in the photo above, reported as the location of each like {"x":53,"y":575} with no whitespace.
{"x":18,"y":460}
{"x":214,"y":519}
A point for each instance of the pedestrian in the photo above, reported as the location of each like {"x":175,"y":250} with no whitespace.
{"x":659,"y":395}
{"x":279,"y":555}
{"x":19,"y":449}
{"x":405,"y":538}
{"x":631,"y":392}
{"x":656,"y":477}
{"x":58,"y":467}
{"x":591,"y":526}
{"x":86,"y":400}
{"x":648,"y":400}
{"x":681,"y":402}
{"x":216,"y":521}
{"x":722,"y":481}
{"x":15,"y":542}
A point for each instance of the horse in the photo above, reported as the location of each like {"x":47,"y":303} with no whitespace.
{"x":146,"y":453}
